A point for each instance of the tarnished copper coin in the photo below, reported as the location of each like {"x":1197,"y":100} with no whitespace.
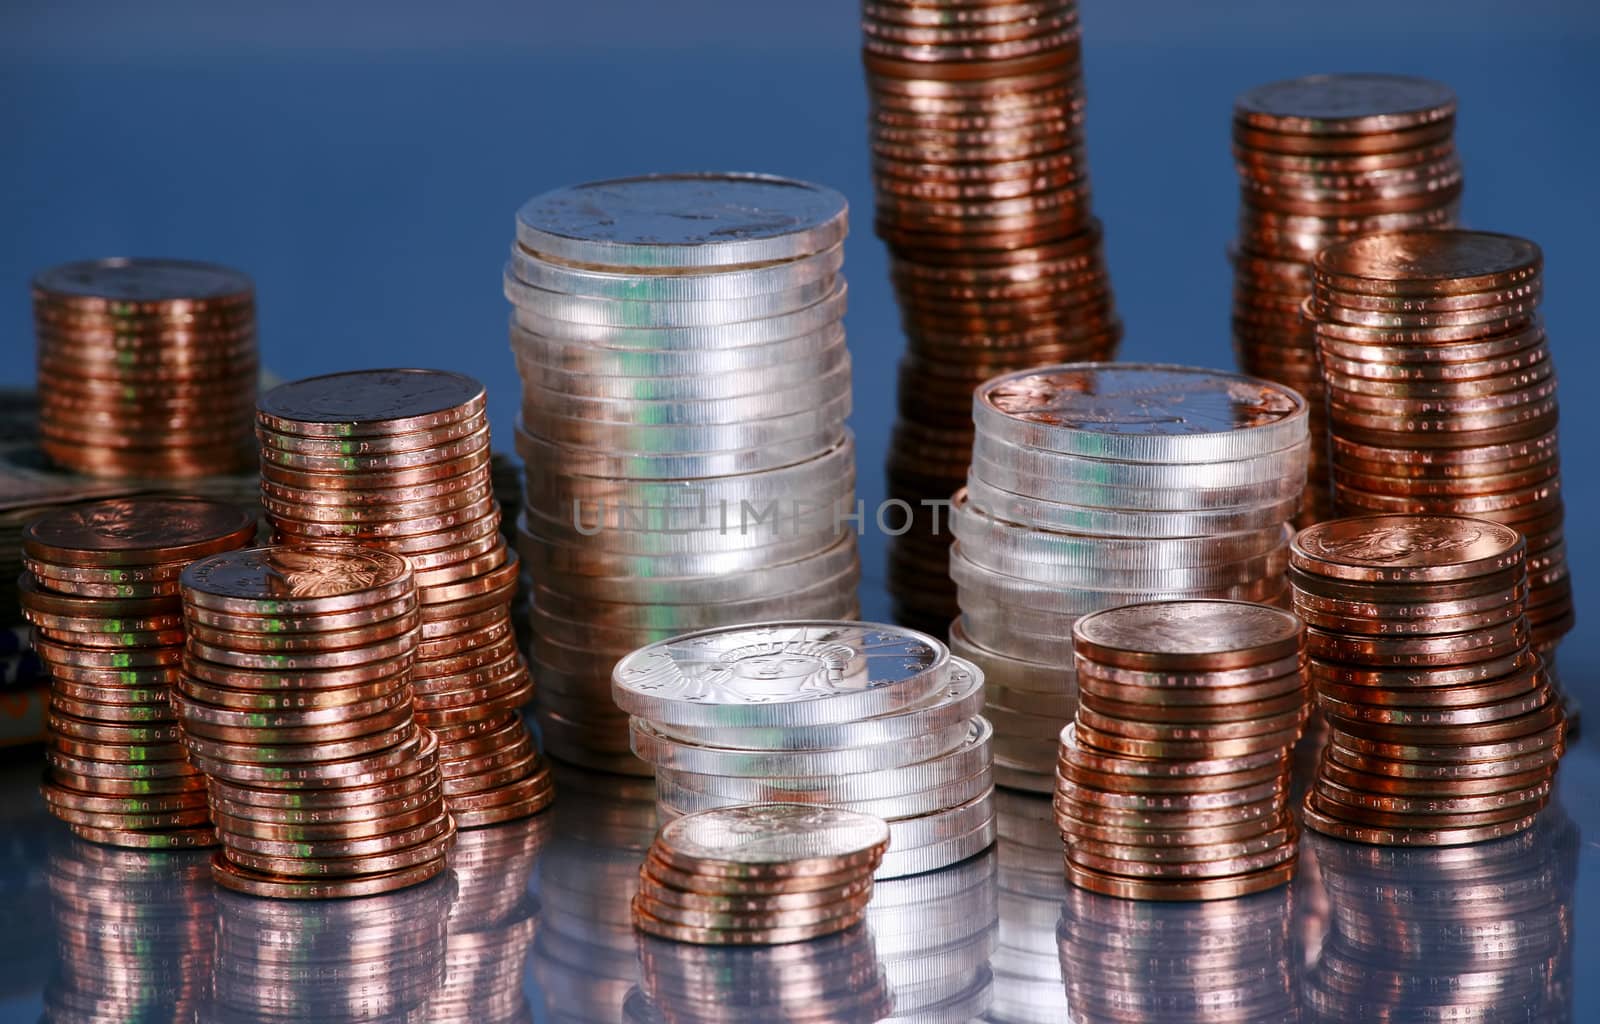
{"x":1187,"y":635}
{"x":370,"y":402}
{"x":137,"y":532}
{"x":302,"y":579}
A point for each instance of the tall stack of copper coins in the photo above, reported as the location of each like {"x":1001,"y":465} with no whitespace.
{"x":1173,"y":782}
{"x":1442,"y":394}
{"x":685,"y":384}
{"x":295,"y":701}
{"x":1027,"y":971}
{"x":934,"y":934}
{"x":101,"y":589}
{"x":1322,"y":159}
{"x":874,"y":719}
{"x":1475,"y":933}
{"x":759,"y":875}
{"x":1094,"y":486}
{"x":982,"y":188}
{"x":399,"y":460}
{"x":1444,"y":727}
{"x":1180,"y":962}
{"x":147,"y":368}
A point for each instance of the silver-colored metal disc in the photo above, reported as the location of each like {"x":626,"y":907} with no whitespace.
{"x":771,"y":836}
{"x":653,"y":746}
{"x":827,"y":311}
{"x":1105,"y":522}
{"x":698,"y":285}
{"x":536,"y":350}
{"x":630,"y":464}
{"x":628,"y":313}
{"x":900,"y":863}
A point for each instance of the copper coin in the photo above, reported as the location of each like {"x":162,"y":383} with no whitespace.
{"x":391,"y":859}
{"x":124,"y":287}
{"x":1265,"y":742}
{"x":176,"y":839}
{"x":385,"y":500}
{"x":302,"y":624}
{"x":1187,"y":635}
{"x":299,"y":580}
{"x":374,"y":444}
{"x":232,"y":876}
{"x":371,"y":402}
{"x":798,"y":917}
{"x":1328,"y":825}
{"x":270,"y":642}
{"x":311,"y":661}
{"x":1166,"y":889}
{"x":386,"y":480}
{"x":137,"y":531}
{"x":1513,"y":763}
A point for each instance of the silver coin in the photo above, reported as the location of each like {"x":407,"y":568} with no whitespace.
{"x":683,"y":800}
{"x":1046,"y":648}
{"x":1078,"y":469}
{"x":683,"y":220}
{"x":946,"y":823}
{"x":697,"y":285}
{"x":988,"y":618}
{"x":706,"y":376}
{"x":772,"y":835}
{"x":630,"y":313}
{"x":769,"y":397}
{"x":826,"y":312}
{"x":644,"y":465}
{"x":1005,"y":673}
{"x":1041,"y":486}
{"x":546,"y":552}
{"x":682,"y":618}
{"x":781,"y":674}
{"x":663,"y":752}
{"x":914,"y":861}
{"x":1218,"y":576}
{"x":1065,"y":518}
{"x":688,"y":439}
{"x":535,"y":350}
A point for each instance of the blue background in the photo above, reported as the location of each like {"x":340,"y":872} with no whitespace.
{"x":363,"y":161}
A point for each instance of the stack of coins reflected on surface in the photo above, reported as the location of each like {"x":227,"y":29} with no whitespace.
{"x":334,"y":961}
{"x":133,"y":934}
{"x":1322,"y":159}
{"x":399,"y":460}
{"x":147,"y":368}
{"x":685,"y":386}
{"x":874,"y":719}
{"x":1179,"y":962}
{"x":1444,"y":728}
{"x":1098,"y":486}
{"x":1027,"y":969}
{"x":295,"y":701}
{"x":982,"y":188}
{"x":759,"y":875}
{"x":934,"y":934}
{"x":1442,"y":392}
{"x":101,"y":589}
{"x":1173,"y":782}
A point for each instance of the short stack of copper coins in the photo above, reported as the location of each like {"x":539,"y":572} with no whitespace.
{"x":295,"y":700}
{"x":1173,"y":782}
{"x":1442,"y":393}
{"x":1321,"y":159}
{"x":147,"y":368}
{"x":101,"y":589}
{"x":399,"y":460}
{"x":1444,"y":728}
{"x":759,"y":875}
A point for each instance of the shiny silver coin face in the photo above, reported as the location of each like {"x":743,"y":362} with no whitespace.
{"x":774,"y":834}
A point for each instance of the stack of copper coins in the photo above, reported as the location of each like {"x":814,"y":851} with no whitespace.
{"x":685,"y":384}
{"x":1232,"y":959}
{"x":1027,"y":972}
{"x":982,"y":188}
{"x":1094,"y":486}
{"x":1444,"y":728}
{"x":934,"y":934}
{"x":334,"y":961}
{"x":759,"y":875}
{"x":147,"y":368}
{"x":1323,"y":159}
{"x":399,"y":460}
{"x":869,"y":718}
{"x":1481,"y":933}
{"x":1442,"y":393}
{"x":1173,"y":782}
{"x":101,"y":589}
{"x":295,"y":701}
{"x":133,"y":934}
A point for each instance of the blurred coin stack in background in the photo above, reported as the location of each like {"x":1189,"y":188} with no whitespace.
{"x":1442,"y":392}
{"x":399,"y":460}
{"x":873,"y":719}
{"x":147,"y":368}
{"x":101,"y":589}
{"x":1098,"y":486}
{"x":1173,"y":782}
{"x":934,"y":934}
{"x":1322,"y":159}
{"x":1444,"y":728}
{"x":982,"y":191}
{"x":685,"y":384}
{"x":1027,"y":969}
{"x":1179,"y":962}
{"x":295,"y":701}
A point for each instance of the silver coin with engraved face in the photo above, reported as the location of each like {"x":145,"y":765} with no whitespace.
{"x":773,"y":837}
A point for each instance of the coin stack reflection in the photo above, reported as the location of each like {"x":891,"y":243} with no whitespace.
{"x":133,"y":934}
{"x":934,"y":934}
{"x":1442,"y":392}
{"x":1027,"y":969}
{"x":1444,"y":728}
{"x":982,"y":188}
{"x":1094,"y":486}
{"x":1480,"y":933}
{"x":1322,"y":159}
{"x":1178,"y":962}
{"x":869,"y":718}
{"x":147,"y":368}
{"x":295,"y":701}
{"x":101,"y":590}
{"x":399,"y":460}
{"x":685,"y":385}
{"x":334,"y":961}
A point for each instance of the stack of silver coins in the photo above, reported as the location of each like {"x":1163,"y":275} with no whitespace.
{"x":1098,"y":485}
{"x":685,"y":384}
{"x":870,"y":718}
{"x":1027,"y":971}
{"x":934,"y":934}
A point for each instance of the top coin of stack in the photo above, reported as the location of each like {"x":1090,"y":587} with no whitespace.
{"x":1442,"y":392}
{"x":399,"y":460}
{"x":101,"y":589}
{"x":1322,"y":159}
{"x":685,"y":387}
{"x":759,"y":874}
{"x":982,"y":186}
{"x":147,"y":368}
{"x":1094,"y":486}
